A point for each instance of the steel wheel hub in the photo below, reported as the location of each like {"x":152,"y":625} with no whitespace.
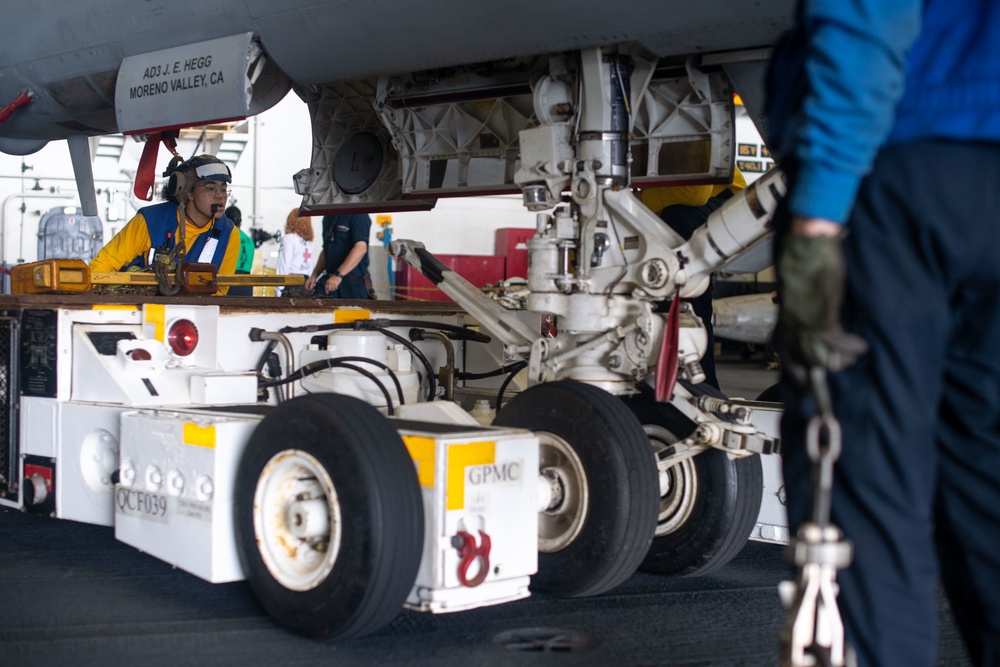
{"x":678,"y":498}
{"x":297,"y":520}
{"x":560,"y":524}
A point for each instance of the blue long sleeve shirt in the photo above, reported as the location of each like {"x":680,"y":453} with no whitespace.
{"x":882,"y":72}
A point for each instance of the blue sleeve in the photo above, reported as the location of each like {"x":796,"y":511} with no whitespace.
{"x":855,"y":65}
{"x":361,"y":226}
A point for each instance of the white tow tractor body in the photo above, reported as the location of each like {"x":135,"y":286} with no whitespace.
{"x":137,"y":417}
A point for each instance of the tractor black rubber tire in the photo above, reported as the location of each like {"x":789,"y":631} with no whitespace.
{"x":381,"y":530}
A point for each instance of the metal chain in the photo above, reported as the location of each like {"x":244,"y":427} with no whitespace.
{"x":813,"y":632}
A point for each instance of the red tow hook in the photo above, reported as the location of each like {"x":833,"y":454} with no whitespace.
{"x":469,"y":552}
{"x":24,"y":99}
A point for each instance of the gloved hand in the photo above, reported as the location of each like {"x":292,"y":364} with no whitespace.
{"x":811,"y":271}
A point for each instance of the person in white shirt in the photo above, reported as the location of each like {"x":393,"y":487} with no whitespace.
{"x":295,"y":251}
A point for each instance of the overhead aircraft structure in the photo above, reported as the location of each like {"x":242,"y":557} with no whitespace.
{"x":409,"y":103}
{"x":407,"y":84}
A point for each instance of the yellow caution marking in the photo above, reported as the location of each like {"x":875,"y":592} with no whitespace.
{"x":422,"y":452}
{"x":113,"y":306}
{"x":461,"y":457}
{"x":156,"y":314}
{"x":199,"y":436}
{"x":346,"y":315}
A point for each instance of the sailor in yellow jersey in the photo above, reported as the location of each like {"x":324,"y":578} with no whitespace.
{"x":199,"y":187}
{"x":657,"y":199}
{"x":685,"y":208}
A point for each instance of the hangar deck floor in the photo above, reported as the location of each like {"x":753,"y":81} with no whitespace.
{"x":72,"y":595}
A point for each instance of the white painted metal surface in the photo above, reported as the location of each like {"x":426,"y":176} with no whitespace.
{"x":177,"y":504}
{"x":210,"y":78}
{"x":477,"y":484}
{"x":772,"y":522}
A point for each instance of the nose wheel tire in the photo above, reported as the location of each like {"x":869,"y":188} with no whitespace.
{"x":710,"y":504}
{"x":596,"y":458}
{"x":328,"y":517}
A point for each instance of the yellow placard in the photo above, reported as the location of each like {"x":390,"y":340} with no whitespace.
{"x":199,"y":436}
{"x":156,"y":314}
{"x":460,"y":457}
{"x":346,"y":315}
{"x":422,"y":452}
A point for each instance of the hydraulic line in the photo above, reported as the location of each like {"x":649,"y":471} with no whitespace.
{"x":454,"y":332}
{"x":431,"y":383}
{"x":510,"y":378}
{"x":271,"y":344}
{"x":286,"y":345}
{"x":449,"y":368}
{"x":368,"y":374}
{"x":382,"y":326}
{"x":503,"y":370}
{"x":317,"y":366}
{"x":311,"y":328}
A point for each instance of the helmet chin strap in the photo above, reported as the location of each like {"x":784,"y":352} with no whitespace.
{"x":215,"y":208}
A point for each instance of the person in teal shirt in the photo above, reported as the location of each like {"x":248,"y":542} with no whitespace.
{"x":245,"y":262}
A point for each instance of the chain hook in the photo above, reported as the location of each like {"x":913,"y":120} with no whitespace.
{"x":813,"y":632}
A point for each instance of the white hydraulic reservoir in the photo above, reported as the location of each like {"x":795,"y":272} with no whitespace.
{"x":345,"y":354}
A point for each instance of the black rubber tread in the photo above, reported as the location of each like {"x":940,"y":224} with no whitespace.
{"x":725,"y":511}
{"x":772,"y":394}
{"x":621,"y":478}
{"x":381,"y":507}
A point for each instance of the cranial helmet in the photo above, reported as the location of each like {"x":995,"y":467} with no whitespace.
{"x":184,"y":175}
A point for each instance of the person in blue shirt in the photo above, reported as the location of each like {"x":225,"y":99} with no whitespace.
{"x":341,"y":270}
{"x":885,"y":115}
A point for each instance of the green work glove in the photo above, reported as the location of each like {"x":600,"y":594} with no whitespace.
{"x":811,"y":273}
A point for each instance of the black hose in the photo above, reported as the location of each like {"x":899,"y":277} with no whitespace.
{"x":506,"y":382}
{"x":321,"y":365}
{"x":316,"y":366}
{"x":381,"y":325}
{"x":431,"y":383}
{"x":514,"y":367}
{"x":322,"y":327}
{"x":271,"y":344}
{"x":392,"y":374}
{"x":455,"y":332}
{"x":390,"y":410}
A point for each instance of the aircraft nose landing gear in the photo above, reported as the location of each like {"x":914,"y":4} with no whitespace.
{"x":596,"y":536}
